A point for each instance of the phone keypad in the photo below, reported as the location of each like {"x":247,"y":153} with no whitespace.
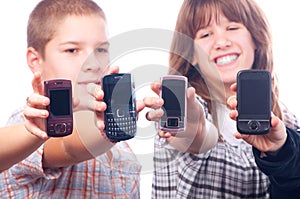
{"x":121,"y":126}
{"x":59,"y":128}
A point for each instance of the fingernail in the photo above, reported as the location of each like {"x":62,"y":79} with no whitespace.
{"x":44,"y":113}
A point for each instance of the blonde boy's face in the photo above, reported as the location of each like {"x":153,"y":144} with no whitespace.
{"x":78,"y":50}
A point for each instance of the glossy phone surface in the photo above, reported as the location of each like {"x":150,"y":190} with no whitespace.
{"x":254,"y":101}
{"x":120,"y":115}
{"x":173,"y":93}
{"x":60,"y":120}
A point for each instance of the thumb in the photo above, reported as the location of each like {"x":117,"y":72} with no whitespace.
{"x":275,"y":122}
{"x":190,"y":93}
{"x":37,"y":84}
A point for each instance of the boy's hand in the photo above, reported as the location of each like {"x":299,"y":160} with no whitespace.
{"x":98,"y":106}
{"x":270,"y":142}
{"x":190,"y":140}
{"x":35,"y":112}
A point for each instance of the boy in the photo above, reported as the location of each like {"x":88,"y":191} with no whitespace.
{"x":62,"y":34}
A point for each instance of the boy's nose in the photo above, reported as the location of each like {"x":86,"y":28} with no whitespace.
{"x":95,"y":64}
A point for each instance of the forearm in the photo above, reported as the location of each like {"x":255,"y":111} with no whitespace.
{"x":284,"y":167}
{"x":16,"y":144}
{"x":205,"y":139}
{"x":83,"y":144}
{"x":201,"y":141}
{"x":210,"y":138}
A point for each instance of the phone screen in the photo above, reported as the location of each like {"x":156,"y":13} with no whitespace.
{"x":254,"y":99}
{"x":59,"y":102}
{"x":173,"y":92}
{"x":118,"y":93}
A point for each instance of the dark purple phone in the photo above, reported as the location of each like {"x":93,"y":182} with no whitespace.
{"x":60,"y":120}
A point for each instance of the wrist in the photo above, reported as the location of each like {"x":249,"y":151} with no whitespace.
{"x":277,"y":146}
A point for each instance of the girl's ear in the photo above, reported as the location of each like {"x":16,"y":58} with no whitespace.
{"x":34,"y":60}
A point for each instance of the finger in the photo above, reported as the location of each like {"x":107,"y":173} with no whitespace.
{"x":241,"y":136}
{"x":140,"y":105}
{"x":232,"y":102}
{"x":33,"y":129}
{"x":153,"y":102}
{"x":30,"y":113}
{"x":233,"y":87}
{"x":274,"y":121}
{"x":76,"y":102}
{"x":113,"y":70}
{"x":37,"y":100}
{"x":163,"y":134}
{"x":154,"y":115}
{"x":95,"y":91}
{"x":191,"y":93}
{"x":37,"y":84}
{"x":238,"y":135}
{"x":99,"y":121}
{"x":96,"y":106}
{"x":156,"y":87}
{"x":233,"y":114}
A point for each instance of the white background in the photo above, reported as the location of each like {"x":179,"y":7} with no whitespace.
{"x":15,"y":76}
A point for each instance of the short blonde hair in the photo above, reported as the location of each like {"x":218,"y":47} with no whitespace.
{"x":46,"y":16}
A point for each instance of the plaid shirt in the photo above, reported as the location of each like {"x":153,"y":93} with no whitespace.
{"x":225,"y":171}
{"x":95,"y":178}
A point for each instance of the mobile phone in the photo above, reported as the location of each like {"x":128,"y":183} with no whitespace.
{"x":60,"y":120}
{"x":254,"y":96}
{"x":120,"y":116}
{"x":173,"y":92}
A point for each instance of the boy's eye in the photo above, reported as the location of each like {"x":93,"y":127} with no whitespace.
{"x":101,"y":50}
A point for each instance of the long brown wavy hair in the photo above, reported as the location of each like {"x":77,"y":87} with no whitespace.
{"x":197,"y":14}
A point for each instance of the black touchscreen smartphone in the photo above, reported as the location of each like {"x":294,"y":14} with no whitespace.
{"x":60,"y":120}
{"x":254,"y":97}
{"x":173,"y":92}
{"x":120,"y":116}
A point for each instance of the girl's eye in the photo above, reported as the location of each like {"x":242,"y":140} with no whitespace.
{"x":72,"y":50}
{"x":205,"y":35}
{"x":233,"y":28}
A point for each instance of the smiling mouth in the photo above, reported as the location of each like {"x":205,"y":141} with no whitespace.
{"x":226,"y":59}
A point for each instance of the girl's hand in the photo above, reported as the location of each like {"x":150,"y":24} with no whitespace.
{"x":270,"y":142}
{"x":191,"y":140}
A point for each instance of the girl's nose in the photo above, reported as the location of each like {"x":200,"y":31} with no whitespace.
{"x":222,"y":43}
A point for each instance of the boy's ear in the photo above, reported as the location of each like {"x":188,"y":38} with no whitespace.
{"x":34,"y":60}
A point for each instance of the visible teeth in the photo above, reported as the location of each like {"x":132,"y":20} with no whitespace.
{"x":226,"y":59}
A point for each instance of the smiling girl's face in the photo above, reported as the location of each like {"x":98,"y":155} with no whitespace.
{"x":229,"y":45}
